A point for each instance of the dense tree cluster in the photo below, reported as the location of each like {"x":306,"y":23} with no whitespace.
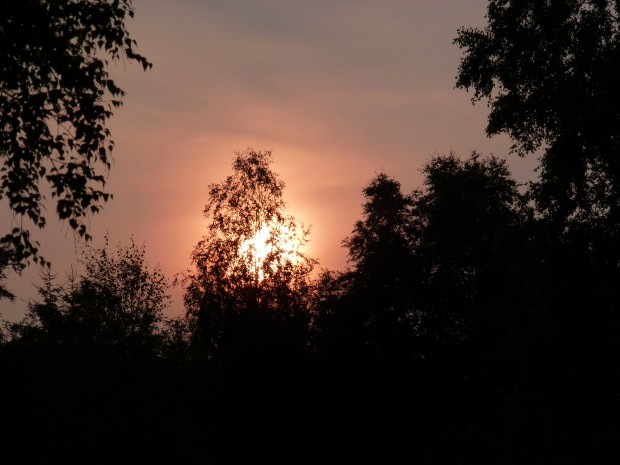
{"x":477,"y":321}
{"x":462,"y":331}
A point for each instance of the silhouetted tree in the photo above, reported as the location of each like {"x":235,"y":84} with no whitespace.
{"x":117,"y":304}
{"x":470,"y":224}
{"x":381,"y":282}
{"x":250,"y":261}
{"x":247,"y":301}
{"x":56,"y":96}
{"x":365,"y":330}
{"x":88,"y":364}
{"x":549,"y":71}
{"x":463,"y":221}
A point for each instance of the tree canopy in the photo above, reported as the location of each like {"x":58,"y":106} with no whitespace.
{"x":549,"y":70}
{"x":56,"y":95}
{"x":116,"y":304}
{"x":251,"y":258}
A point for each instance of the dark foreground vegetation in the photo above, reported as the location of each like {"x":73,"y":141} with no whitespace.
{"x":478,"y":322}
{"x":467,"y":330}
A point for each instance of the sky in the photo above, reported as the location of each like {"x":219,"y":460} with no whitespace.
{"x":337,"y":90}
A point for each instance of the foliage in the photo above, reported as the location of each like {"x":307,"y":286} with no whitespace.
{"x":381,"y":283}
{"x":6,"y":263}
{"x":426,"y":266}
{"x":56,"y":95}
{"x":116,"y":304}
{"x":461,"y":218}
{"x":549,"y":72}
{"x":462,"y":332}
{"x":251,"y":258}
{"x":96,"y":366}
{"x":400,"y":335}
{"x":384,"y":232}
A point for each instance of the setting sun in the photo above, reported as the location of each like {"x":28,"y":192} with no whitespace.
{"x":269,"y":238}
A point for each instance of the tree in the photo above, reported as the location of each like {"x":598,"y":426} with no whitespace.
{"x":382,"y":280}
{"x":56,"y":96}
{"x":549,"y":70}
{"x":466,"y":222}
{"x":247,"y":301}
{"x":470,"y":225}
{"x":364,"y":328}
{"x":116,"y":306}
{"x":91,"y":351}
{"x":250,"y":263}
{"x":381,"y":241}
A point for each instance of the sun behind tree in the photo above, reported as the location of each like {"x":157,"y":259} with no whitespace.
{"x":273,"y":237}
{"x":251,"y":259}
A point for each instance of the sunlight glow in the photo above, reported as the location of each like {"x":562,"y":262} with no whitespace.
{"x":275,"y":244}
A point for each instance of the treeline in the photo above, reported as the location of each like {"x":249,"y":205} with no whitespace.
{"x":468,"y":329}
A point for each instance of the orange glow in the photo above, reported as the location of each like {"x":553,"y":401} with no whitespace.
{"x":332,"y":116}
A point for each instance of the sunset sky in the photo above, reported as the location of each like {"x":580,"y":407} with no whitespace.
{"x":338,"y":90}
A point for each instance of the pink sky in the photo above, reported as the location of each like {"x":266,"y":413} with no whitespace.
{"x":337,"y":90}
